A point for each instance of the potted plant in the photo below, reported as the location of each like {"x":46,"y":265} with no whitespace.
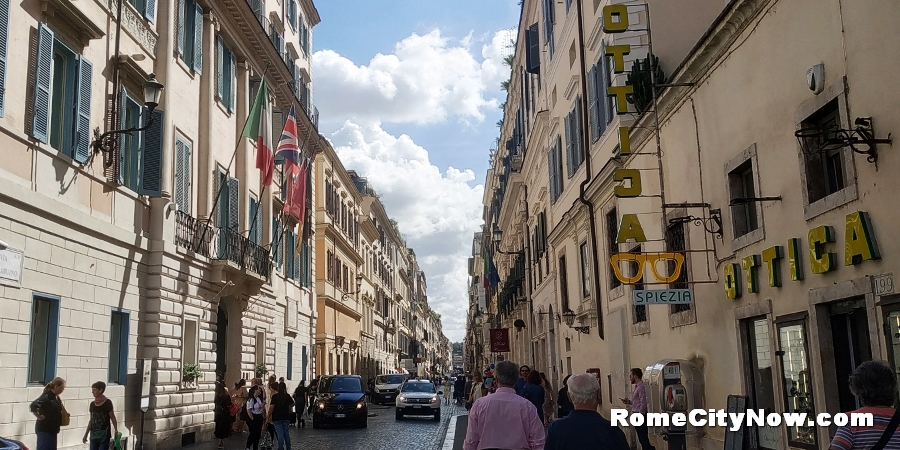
{"x":190,"y":373}
{"x":261,"y":371}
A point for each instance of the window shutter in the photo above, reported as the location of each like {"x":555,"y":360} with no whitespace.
{"x":4,"y":37}
{"x":123,"y":99}
{"x":251,"y":219}
{"x":533,"y":54}
{"x":198,"y":37}
{"x":592,"y":103}
{"x":123,"y":358}
{"x":82,"y":144}
{"x":150,"y":171}
{"x":182,"y":19}
{"x":304,"y":254}
{"x":220,"y":69}
{"x":578,"y":131}
{"x":607,"y":83}
{"x":234,"y":203}
{"x":179,"y":176}
{"x":40,"y":127}
{"x":552,"y":171}
{"x":188,"y":177}
{"x":150,"y":10}
{"x":567,"y":126}
{"x":232,"y":84}
{"x":259,"y":224}
{"x":296,"y":256}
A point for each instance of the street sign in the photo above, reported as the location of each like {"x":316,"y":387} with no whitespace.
{"x":664,"y":297}
{"x":145,"y":384}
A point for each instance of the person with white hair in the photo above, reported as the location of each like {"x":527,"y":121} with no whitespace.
{"x":584,"y":428}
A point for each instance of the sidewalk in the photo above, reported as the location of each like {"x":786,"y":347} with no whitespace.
{"x":456,"y":432}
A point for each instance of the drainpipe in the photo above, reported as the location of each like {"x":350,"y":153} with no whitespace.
{"x":586,"y":138}
{"x":528,"y":286}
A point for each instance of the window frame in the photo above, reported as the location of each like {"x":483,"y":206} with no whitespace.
{"x":781,"y":323}
{"x":50,"y":358}
{"x":584,"y":258}
{"x":289,"y":368}
{"x":186,"y":356}
{"x":120,"y":376}
{"x":733,"y":169}
{"x":565,"y":302}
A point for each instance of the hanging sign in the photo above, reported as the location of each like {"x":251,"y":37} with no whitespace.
{"x":664,"y":297}
{"x":500,"y":340}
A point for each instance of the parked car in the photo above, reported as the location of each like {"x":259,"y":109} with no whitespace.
{"x":418,"y":398}
{"x":9,"y":444}
{"x":340,"y":399}
{"x":386,"y":387}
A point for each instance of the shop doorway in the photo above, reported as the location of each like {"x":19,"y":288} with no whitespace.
{"x":850,"y":335}
{"x":759,"y":364}
{"x":221,"y":342}
{"x":892,"y":337}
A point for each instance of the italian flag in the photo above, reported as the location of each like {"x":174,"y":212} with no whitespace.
{"x":257,"y":127}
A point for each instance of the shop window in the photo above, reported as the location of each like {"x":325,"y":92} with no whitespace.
{"x":675,"y":243}
{"x":798,"y":388}
{"x":759,"y":366}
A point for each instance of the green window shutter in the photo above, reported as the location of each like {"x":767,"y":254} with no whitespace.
{"x":296,"y":257}
{"x":40,"y":127}
{"x":259,"y":224}
{"x":252,"y":213}
{"x":592,"y":103}
{"x":234,"y":203}
{"x":220,"y":68}
{"x":552,"y":173}
{"x":606,"y":83}
{"x":288,"y":260}
{"x":567,"y":126}
{"x":151,"y":154}
{"x":232,"y":84}
{"x":82,"y":144}
{"x":150,"y":10}
{"x":307,"y":273}
{"x":198,"y":37}
{"x":4,"y":37}
{"x":578,"y":131}
{"x":182,"y":20}
{"x":123,"y":100}
{"x":180,"y":175}
{"x":277,"y":238}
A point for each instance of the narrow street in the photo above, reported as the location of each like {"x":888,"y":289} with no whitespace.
{"x":383,"y":433}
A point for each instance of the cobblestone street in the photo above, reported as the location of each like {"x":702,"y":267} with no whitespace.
{"x":383,"y":433}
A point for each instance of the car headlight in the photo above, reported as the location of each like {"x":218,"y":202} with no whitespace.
{"x":402,"y":398}
{"x":321,"y":405}
{"x":435,"y":399}
{"x":360,"y":405}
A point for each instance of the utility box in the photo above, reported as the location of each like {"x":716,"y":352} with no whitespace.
{"x":674,"y":385}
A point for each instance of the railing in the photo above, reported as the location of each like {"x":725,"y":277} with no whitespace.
{"x":245,"y":254}
{"x":189,"y":232}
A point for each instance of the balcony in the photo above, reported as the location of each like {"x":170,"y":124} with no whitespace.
{"x":193,"y":234}
{"x":242,"y":253}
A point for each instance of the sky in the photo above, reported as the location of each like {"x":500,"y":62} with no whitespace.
{"x":408,"y":93}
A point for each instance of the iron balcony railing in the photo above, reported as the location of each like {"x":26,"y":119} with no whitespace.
{"x":189,"y":232}
{"x":241,"y":251}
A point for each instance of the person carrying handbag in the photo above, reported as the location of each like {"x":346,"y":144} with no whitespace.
{"x":875,"y":385}
{"x":51,"y":415}
{"x":102,"y":415}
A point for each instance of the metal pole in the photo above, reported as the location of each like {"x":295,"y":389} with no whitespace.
{"x":142,"y":412}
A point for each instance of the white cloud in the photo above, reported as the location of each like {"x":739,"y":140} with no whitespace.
{"x":437,"y":212}
{"x":427,"y":79}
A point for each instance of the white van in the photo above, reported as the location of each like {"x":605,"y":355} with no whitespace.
{"x":386,"y":387}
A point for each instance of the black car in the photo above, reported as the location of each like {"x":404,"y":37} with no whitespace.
{"x":340,"y":399}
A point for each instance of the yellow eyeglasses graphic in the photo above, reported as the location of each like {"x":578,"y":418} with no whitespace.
{"x":641,"y":259}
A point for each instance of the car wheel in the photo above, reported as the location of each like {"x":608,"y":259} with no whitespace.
{"x":316,"y":425}
{"x":364,"y":423}
{"x":398,"y":415}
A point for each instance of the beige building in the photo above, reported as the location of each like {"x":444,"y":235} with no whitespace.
{"x":783,"y":239}
{"x":131,"y":258}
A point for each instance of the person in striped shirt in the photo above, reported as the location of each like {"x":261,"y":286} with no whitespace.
{"x":875,"y":385}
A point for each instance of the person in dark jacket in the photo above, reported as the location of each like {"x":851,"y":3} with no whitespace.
{"x":222,"y":415}
{"x":565,"y":405}
{"x":459,"y":389}
{"x":300,"y":396}
{"x":281,"y":416}
{"x":48,"y":409}
{"x":523,"y":379}
{"x":534,"y":392}
{"x":584,"y":428}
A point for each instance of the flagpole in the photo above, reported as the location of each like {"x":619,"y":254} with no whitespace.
{"x":237,"y":145}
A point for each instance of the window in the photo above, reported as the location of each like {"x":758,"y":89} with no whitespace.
{"x":574,"y":141}
{"x":62,"y":97}
{"x":190,"y":34}
{"x":599,"y":104}
{"x":612,"y":233}
{"x":533,"y":55}
{"x":277,"y":242}
{"x":118,"y":347}
{"x":260,"y":347}
{"x":759,"y":367}
{"x":183,"y":174}
{"x":292,"y":13}
{"x":585,"y":270}
{"x":277,"y":38}
{"x":825,"y":171}
{"x":555,"y":168}
{"x":146,"y":8}
{"x":292,"y":265}
{"x":255,"y":221}
{"x":225,"y":75}
{"x":742,"y":188}
{"x":130,"y":143}
{"x":229,"y":202}
{"x":563,"y":284}
{"x":548,"y":6}
{"x":304,"y":37}
{"x":798,"y":389}
{"x":305,"y":269}
{"x":4,"y":38}
{"x":675,"y":244}
{"x":303,"y":362}
{"x":290,"y":360}
{"x":190,"y":342}
{"x":44,"y":339}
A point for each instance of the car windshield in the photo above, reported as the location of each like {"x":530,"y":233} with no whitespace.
{"x":419,"y":387}
{"x":389,"y":379}
{"x":335,"y":385}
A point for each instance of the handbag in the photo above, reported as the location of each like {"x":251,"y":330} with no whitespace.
{"x":64,"y":417}
{"x":888,"y":432}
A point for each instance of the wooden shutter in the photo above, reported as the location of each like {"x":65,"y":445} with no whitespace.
{"x":182,"y":21}
{"x":578,"y":131}
{"x":151,"y":157}
{"x":82,"y":145}
{"x":607,"y":83}
{"x":150,"y":10}
{"x":234,"y":203}
{"x":275,"y":242}
{"x":40,"y":127}
{"x":232,"y":81}
{"x":198,"y":37}
{"x":4,"y":38}
{"x":567,"y":126}
{"x":180,"y":193}
{"x":552,"y":170}
{"x":592,"y":103}
{"x":296,"y":257}
{"x":251,"y":219}
{"x":123,"y":101}
{"x":259,"y":223}
{"x":220,"y":68}
{"x":533,"y":55}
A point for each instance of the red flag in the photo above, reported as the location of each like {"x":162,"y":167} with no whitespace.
{"x":295,"y":204}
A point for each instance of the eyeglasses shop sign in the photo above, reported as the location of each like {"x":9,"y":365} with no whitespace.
{"x":11,"y":267}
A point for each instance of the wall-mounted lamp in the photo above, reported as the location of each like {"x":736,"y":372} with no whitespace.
{"x":152,"y":91}
{"x":569,"y":318}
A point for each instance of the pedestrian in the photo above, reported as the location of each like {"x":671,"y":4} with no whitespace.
{"x":638,"y":404}
{"x":504,"y":419}
{"x":447,"y":387}
{"x":584,"y":428}
{"x":562,"y":399}
{"x":102,"y":415}
{"x":222,"y":415}
{"x":523,"y":377}
{"x":239,"y":398}
{"x":300,"y":402}
{"x":534,"y":393}
{"x":50,"y":413}
{"x":875,"y":385}
{"x":313,"y":388}
{"x":256,"y":408}
{"x":549,"y":402}
{"x":282,"y":404}
{"x":476,"y":391}
{"x":459,"y":389}
{"x":467,"y":389}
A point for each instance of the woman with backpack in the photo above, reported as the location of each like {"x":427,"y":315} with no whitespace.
{"x":102,"y":415}
{"x":222,"y":416}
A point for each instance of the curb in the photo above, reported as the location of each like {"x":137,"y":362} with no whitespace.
{"x":451,"y":435}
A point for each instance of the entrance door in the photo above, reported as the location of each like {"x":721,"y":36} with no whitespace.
{"x":850,"y":334}
{"x":221,"y":342}
{"x":892,"y":328}
{"x":760,"y":387}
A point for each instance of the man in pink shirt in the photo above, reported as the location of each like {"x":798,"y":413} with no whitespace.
{"x":504,"y":420}
{"x":638,"y":404}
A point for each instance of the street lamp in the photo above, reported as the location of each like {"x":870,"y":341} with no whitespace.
{"x":569,"y":318}
{"x":152,"y":91}
{"x":497,"y":237}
